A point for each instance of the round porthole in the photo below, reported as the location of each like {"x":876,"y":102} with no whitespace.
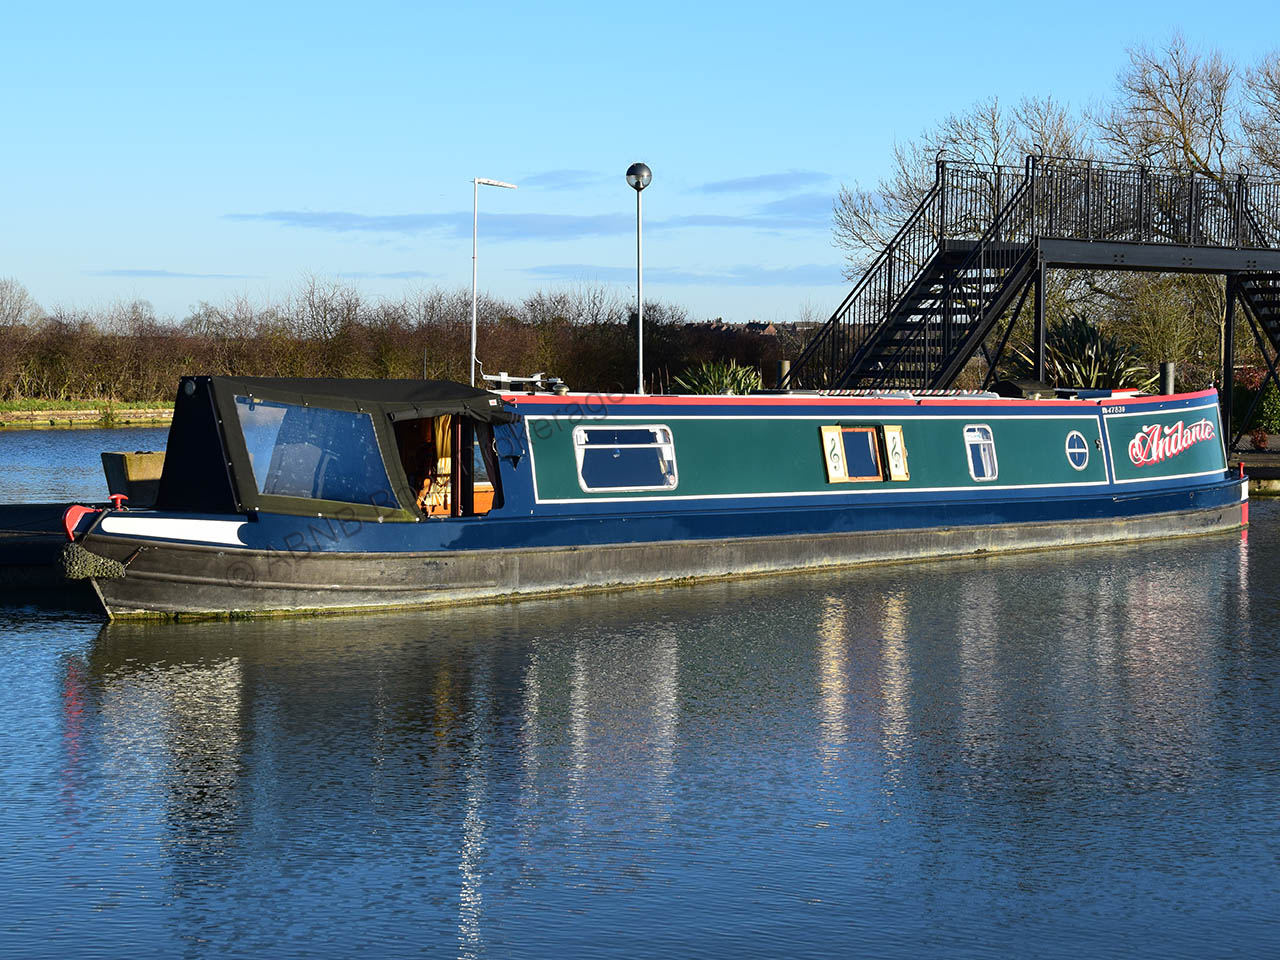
{"x":1077,"y":450}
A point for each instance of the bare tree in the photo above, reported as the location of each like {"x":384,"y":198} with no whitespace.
{"x":1178,"y":107}
{"x":1048,"y":126}
{"x":322,"y":309}
{"x":1174,"y":109}
{"x":129,"y":318}
{"x":16,"y":304}
{"x":236,"y":318}
{"x":1262,"y":115}
{"x":17,"y":315}
{"x":579,"y":304}
{"x":865,"y":220}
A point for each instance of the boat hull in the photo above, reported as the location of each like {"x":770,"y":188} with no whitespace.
{"x":296,"y":497}
{"x":187,"y":580}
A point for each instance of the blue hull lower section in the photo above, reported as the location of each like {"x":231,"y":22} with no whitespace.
{"x":316,"y":566}
{"x":733,"y":519}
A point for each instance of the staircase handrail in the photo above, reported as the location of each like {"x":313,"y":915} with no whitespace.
{"x":976,"y":254}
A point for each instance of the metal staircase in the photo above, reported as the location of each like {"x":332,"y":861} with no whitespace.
{"x":913,"y":332}
{"x":982,"y":237}
{"x":1260,"y":292}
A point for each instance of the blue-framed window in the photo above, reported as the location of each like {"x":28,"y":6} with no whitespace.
{"x":981,"y":447}
{"x":625,"y":459}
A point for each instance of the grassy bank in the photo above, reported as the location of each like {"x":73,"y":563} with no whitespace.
{"x":82,"y":413}
{"x":39,"y":406}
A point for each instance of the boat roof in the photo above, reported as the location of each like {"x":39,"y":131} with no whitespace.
{"x":418,"y":398}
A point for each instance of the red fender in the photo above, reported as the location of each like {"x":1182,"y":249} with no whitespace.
{"x":72,"y":517}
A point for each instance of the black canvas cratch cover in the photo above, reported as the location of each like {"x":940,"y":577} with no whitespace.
{"x":196,"y":476}
{"x":207,"y":467}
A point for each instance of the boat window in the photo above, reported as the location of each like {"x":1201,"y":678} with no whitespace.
{"x":852,"y":454}
{"x":487,"y":483}
{"x":982,"y":452}
{"x":1077,"y":450}
{"x":312,"y":452}
{"x":625,"y":458}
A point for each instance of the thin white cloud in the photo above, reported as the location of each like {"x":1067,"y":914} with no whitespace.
{"x":509,"y":226}
{"x":801,"y":213}
{"x":563,"y":180}
{"x":172,"y":274}
{"x":745,"y":275}
{"x":768,"y":182}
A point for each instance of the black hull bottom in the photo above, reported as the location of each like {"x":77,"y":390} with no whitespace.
{"x":31,"y":542}
{"x":168,"y":580}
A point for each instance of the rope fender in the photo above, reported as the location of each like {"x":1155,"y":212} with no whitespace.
{"x":81,"y":564}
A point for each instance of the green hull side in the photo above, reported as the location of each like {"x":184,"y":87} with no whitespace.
{"x":780,"y":456}
{"x":1203,"y":453}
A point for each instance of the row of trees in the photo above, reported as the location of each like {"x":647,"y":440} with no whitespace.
{"x":125,"y":352}
{"x":1173,"y":107}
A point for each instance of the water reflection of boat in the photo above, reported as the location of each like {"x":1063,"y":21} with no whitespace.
{"x":289,"y":496}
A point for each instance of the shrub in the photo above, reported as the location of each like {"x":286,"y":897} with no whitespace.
{"x":717,"y":376}
{"x":1268,"y":417}
{"x":1079,"y":353}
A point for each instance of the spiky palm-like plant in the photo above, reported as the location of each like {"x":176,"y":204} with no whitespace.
{"x":1079,"y":353}
{"x":718,"y":376}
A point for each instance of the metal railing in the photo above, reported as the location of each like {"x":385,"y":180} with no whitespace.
{"x":1088,"y":200}
{"x":1094,"y":200}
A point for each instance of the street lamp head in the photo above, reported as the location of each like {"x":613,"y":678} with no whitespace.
{"x":638,"y":176}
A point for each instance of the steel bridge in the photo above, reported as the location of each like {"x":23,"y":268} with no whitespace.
{"x":977,"y":247}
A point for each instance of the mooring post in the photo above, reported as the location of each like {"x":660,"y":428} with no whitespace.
{"x":1229,"y":362}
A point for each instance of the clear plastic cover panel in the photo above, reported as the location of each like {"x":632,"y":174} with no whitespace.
{"x":312,"y":452}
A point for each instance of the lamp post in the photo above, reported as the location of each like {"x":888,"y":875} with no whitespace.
{"x":475,"y":224}
{"x":638,"y":177}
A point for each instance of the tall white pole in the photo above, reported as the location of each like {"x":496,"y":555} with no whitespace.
{"x":639,"y":299}
{"x":475,"y":224}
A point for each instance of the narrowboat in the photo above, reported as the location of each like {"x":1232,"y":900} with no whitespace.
{"x":288,"y":496}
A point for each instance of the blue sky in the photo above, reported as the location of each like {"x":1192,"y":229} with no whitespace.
{"x":181,"y":153}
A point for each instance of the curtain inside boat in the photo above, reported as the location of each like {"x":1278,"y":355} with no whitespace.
{"x":435,"y":496}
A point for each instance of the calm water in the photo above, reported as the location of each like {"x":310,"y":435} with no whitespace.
{"x":38,"y":466}
{"x":1060,"y":755}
